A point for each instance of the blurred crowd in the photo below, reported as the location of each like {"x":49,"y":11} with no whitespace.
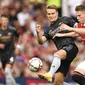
{"x":23,"y":15}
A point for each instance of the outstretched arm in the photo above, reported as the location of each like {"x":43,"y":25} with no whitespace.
{"x":77,"y":30}
{"x":41,"y":39}
{"x":70,"y":34}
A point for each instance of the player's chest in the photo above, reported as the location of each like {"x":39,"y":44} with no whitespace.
{"x":54,"y":28}
{"x":82,"y":26}
{"x":5,"y":36}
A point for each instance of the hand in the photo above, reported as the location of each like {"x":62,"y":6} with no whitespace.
{"x":2,"y":46}
{"x":38,"y":27}
{"x":65,"y":27}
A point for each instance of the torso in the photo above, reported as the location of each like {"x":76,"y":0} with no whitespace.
{"x":60,"y":41}
{"x":7,"y":38}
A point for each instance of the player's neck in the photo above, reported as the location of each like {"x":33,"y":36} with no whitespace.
{"x":54,"y":22}
{"x":4,"y":27}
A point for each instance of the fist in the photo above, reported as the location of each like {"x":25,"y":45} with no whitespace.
{"x":64,"y":27}
{"x":38,"y":27}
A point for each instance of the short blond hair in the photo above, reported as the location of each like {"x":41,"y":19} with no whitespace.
{"x":52,"y":7}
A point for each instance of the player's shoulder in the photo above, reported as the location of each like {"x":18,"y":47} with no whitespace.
{"x":11,"y":28}
{"x":65,"y":18}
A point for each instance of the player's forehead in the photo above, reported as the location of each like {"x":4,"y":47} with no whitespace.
{"x":4,"y":18}
{"x":50,"y":10}
{"x":80,"y":12}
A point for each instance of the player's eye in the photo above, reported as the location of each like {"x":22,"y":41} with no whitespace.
{"x":48,"y":14}
{"x":78,"y":16}
{"x":53,"y":13}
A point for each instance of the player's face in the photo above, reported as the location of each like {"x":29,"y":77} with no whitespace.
{"x":81,"y":16}
{"x":4,"y":21}
{"x":52,"y":15}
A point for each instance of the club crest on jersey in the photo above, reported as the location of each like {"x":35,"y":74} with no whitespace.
{"x":9,"y":33}
{"x":0,"y":35}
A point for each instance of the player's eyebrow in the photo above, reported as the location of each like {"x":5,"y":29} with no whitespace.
{"x":50,"y":13}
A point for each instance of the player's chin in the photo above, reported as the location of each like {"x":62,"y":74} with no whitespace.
{"x":52,"y":21}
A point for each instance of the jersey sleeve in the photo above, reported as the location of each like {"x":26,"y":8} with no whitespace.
{"x":16,"y":33}
{"x":46,"y":34}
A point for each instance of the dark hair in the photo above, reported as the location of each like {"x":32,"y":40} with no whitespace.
{"x":80,"y":7}
{"x":6,"y":16}
{"x":52,"y":7}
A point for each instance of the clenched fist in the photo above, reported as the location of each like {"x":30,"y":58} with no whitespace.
{"x":38,"y":27}
{"x":65,"y":27}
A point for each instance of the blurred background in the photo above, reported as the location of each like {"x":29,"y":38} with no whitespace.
{"x":23,"y":15}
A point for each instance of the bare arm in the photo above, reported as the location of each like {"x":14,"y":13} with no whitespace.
{"x":41,"y":39}
{"x":77,"y":30}
{"x":70,"y":34}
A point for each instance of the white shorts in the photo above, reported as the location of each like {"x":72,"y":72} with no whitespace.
{"x":81,"y":65}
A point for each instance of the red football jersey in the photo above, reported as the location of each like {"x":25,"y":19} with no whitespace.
{"x":82,"y":26}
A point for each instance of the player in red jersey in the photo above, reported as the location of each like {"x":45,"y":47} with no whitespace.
{"x":79,"y":73}
{"x":82,"y":27}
